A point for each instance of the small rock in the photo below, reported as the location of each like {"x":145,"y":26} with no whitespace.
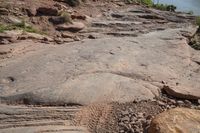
{"x":124,"y":113}
{"x":47,"y":11}
{"x":161,"y":103}
{"x":172,"y":101}
{"x":58,"y":40}
{"x":31,"y":11}
{"x":67,"y":35}
{"x":57,"y":20}
{"x":74,"y":27}
{"x":76,"y":38}
{"x":91,"y":37}
{"x":125,"y":119}
{"x":78,"y":16}
{"x":140,"y":115}
{"x":149,"y":117}
{"x":198,"y":101}
{"x":4,"y":11}
{"x":187,"y":102}
{"x":68,"y":40}
{"x":180,"y":102}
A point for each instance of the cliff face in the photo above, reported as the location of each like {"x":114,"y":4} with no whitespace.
{"x":111,"y":55}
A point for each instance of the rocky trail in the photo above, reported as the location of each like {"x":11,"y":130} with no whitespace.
{"x":129,"y":70}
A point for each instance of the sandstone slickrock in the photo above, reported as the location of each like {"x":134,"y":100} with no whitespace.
{"x":179,"y":120}
{"x":109,"y":69}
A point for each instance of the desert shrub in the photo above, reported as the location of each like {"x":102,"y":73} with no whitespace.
{"x":198,"y":20}
{"x":190,"y":12}
{"x":18,"y":26}
{"x":144,"y":2}
{"x":165,"y":7}
{"x":147,"y":2}
{"x":66,"y":17}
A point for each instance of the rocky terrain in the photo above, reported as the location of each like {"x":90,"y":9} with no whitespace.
{"x":98,"y":67}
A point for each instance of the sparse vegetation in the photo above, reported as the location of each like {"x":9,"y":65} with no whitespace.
{"x":198,"y":20}
{"x":66,"y":17}
{"x":165,"y":7}
{"x":145,"y":2}
{"x":18,"y":26}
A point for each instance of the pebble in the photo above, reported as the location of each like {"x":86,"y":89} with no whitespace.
{"x":139,"y":115}
{"x":125,"y":113}
{"x":180,"y":102}
{"x":149,"y":117}
{"x":198,"y":101}
{"x":172,"y":101}
{"x":161,"y":103}
{"x":187,"y":102}
{"x":125,"y":119}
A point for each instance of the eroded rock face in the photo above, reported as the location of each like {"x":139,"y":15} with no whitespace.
{"x":179,"y":120}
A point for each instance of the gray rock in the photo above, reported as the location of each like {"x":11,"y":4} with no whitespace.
{"x":125,"y":119}
{"x":74,"y":27}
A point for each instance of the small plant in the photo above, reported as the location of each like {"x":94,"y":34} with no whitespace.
{"x":190,"y":12}
{"x":19,"y":26}
{"x":198,"y":20}
{"x":66,"y":17}
{"x":165,"y":7}
{"x":147,"y":2}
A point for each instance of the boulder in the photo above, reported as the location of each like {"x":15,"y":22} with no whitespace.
{"x":74,"y":27}
{"x":179,"y":120}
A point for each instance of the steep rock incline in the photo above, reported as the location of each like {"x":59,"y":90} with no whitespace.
{"x":112,"y":69}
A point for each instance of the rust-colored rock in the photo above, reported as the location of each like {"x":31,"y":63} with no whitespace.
{"x":179,"y":120}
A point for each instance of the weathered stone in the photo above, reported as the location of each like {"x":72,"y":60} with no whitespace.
{"x":47,"y":11}
{"x":31,"y":11}
{"x":57,"y":20}
{"x":78,"y":16}
{"x":74,"y":27}
{"x":179,"y":120}
{"x":182,"y":92}
{"x":67,"y":35}
{"x":10,"y":36}
{"x":4,"y":11}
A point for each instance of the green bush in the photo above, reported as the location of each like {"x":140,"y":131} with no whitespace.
{"x":147,"y":2}
{"x":144,"y":2}
{"x":67,"y":18}
{"x":165,"y":7}
{"x":198,"y":20}
{"x":19,"y":26}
